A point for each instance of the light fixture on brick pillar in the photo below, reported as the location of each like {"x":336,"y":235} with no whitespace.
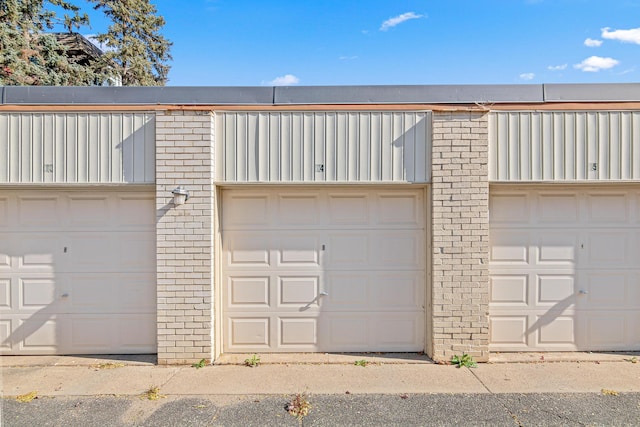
{"x":180,"y":195}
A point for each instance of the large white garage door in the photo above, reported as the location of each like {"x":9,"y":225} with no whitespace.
{"x":77,"y":272}
{"x":565,"y":269}
{"x":323,"y":270}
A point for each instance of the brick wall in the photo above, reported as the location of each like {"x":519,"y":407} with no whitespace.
{"x":460,"y":206}
{"x":184,"y":156}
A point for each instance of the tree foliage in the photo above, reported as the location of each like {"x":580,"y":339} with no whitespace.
{"x":137,"y":53}
{"x":32,"y":54}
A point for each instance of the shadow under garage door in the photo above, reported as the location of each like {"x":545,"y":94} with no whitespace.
{"x":331,"y":269}
{"x":77,"y":271}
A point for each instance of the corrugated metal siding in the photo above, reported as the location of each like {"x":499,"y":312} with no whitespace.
{"x":323,"y":146}
{"x":77,"y":148}
{"x":564,"y":146}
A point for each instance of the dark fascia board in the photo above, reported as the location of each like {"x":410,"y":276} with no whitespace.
{"x":609,"y":92}
{"x":168,"y":95}
{"x":419,"y":94}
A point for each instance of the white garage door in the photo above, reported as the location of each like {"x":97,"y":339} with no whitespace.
{"x":565,"y":269}
{"x":77,"y":272}
{"x":283,"y":250}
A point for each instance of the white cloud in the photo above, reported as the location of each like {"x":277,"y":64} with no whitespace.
{"x":596,"y":63}
{"x":527,"y":76}
{"x":397,"y":20}
{"x":625,"y":36}
{"x":592,"y":43}
{"x":557,"y":67}
{"x":286,"y":80}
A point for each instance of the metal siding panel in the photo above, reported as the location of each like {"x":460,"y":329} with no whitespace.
{"x":308,"y":150}
{"x":635,"y":146}
{"x":115,"y":153}
{"x":82,"y":165}
{"x":230,"y":147}
{"x":569,"y":147}
{"x":319,"y":140}
{"x":581,"y":147}
{"x":127,"y":148}
{"x":626,"y":157}
{"x":387,"y":147}
{"x":341,"y":147}
{"x":262,"y":143}
{"x":558,"y":146}
{"x":296,"y":147}
{"x":502,"y":163}
{"x":513,"y":145}
{"x":330,"y":167}
{"x":286,"y":173}
{"x":398,"y":147}
{"x":37,"y":149}
{"x":274,"y":147}
{"x":4,"y":148}
{"x":592,"y":144}
{"x":524,"y":147}
{"x":420,"y":150}
{"x":364,"y":143}
{"x":252,"y":166}
{"x":376,"y":146}
{"x":536,"y":146}
{"x":604,"y":144}
{"x":241,"y":143}
{"x":104,"y":148}
{"x":352,"y":147}
{"x":409,"y":158}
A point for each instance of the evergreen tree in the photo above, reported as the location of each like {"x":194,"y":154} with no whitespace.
{"x":31,"y":56}
{"x":136,"y":53}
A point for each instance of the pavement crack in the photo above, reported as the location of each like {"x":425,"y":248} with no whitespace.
{"x":512,"y":414}
{"x":171,"y":377}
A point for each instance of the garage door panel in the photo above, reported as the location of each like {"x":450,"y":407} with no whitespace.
{"x":510,"y":331}
{"x":6,"y":294}
{"x":608,"y":248}
{"x":348,"y":332}
{"x":555,"y":328}
{"x":133,"y":249}
{"x":298,"y":210}
{"x":401,"y":331}
{"x":347,"y":291}
{"x":298,"y":332}
{"x":245,"y":210}
{"x":557,"y":209}
{"x":509,"y":209}
{"x":348,"y":249}
{"x":39,"y":334}
{"x":399,"y":209}
{"x":5,"y":332}
{"x":608,"y":208}
{"x":398,"y":249}
{"x":248,"y":249}
{"x":136,"y":212}
{"x":249,"y":292}
{"x":556,"y":248}
{"x":248,"y":332}
{"x":136,"y":334}
{"x":89,"y":211}
{"x":4,"y":212}
{"x":92,"y":333}
{"x":555,"y":290}
{"x":509,"y":289}
{"x":298,"y":250}
{"x":298,"y":292}
{"x":509,"y":247}
{"x":349,"y":209}
{"x":37,"y":293}
{"x":5,"y":259}
{"x":397,"y":291}
{"x":607,"y":330}
{"x":38,"y":212}
{"x":38,"y":251}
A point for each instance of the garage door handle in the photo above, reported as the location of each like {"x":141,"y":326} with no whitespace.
{"x":64,"y":296}
{"x":324,"y":294}
{"x":583,"y":292}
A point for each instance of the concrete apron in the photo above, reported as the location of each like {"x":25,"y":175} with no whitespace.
{"x":315,"y":374}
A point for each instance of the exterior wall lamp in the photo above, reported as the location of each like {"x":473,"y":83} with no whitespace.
{"x":180,"y":195}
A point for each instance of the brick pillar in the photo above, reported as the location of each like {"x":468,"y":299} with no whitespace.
{"x":460,"y":207}
{"x":184,"y":236}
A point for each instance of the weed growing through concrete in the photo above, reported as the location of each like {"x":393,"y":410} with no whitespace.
{"x":362,"y":363}
{"x":27,"y":397}
{"x":153,"y":393}
{"x":299,"y":407}
{"x":108,"y":365}
{"x":632,"y":360}
{"x":464,"y":360}
{"x":608,"y":392}
{"x":201,"y":364}
{"x":253,"y":361}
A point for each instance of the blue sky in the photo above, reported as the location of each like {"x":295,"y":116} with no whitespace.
{"x":348,"y":42}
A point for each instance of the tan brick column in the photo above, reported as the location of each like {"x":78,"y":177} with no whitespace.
{"x":184,"y":237}
{"x":460,"y":207}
